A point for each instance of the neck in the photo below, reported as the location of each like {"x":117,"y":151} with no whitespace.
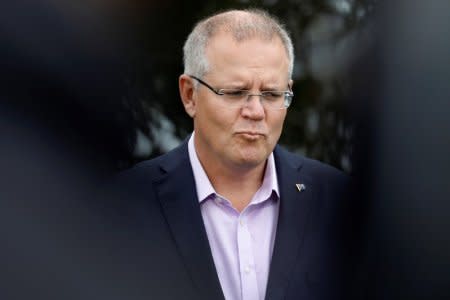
{"x":238,"y":184}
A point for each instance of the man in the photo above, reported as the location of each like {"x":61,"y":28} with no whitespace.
{"x":233,"y":215}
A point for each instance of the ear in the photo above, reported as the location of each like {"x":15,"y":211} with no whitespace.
{"x":187,"y":93}
{"x":291,"y":83}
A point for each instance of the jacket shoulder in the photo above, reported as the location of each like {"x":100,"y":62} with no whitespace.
{"x":316,"y":170}
{"x":154,"y":168}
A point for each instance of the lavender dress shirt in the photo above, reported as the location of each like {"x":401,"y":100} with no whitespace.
{"x":241,"y":242}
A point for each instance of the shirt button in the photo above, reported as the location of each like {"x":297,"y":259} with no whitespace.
{"x":241,"y":222}
{"x":247,"y":269}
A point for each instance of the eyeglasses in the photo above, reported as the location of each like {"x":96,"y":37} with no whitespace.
{"x":238,"y":97}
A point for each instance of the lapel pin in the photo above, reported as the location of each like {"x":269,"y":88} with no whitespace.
{"x":300,"y":187}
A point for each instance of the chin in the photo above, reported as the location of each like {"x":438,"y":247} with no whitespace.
{"x":251,"y":160}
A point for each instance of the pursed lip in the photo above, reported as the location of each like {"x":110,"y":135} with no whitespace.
{"x":251,"y":133}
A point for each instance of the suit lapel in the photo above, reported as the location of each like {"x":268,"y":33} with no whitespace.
{"x":295,"y":206}
{"x":177,"y":195}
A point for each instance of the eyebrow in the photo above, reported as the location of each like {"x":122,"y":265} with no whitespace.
{"x":271,"y":88}
{"x":245,"y":87}
{"x":237,"y":85}
{"x":242,"y":85}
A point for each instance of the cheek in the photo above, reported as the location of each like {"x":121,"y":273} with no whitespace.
{"x":223,"y":117}
{"x":276,"y":127}
{"x":215,"y":120}
{"x":276,"y":124}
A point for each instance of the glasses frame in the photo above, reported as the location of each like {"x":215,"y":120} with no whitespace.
{"x":288,"y":95}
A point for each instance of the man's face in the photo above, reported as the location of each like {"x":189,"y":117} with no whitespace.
{"x":241,"y":137}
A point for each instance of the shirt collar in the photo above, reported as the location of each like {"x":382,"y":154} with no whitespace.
{"x":205,"y":188}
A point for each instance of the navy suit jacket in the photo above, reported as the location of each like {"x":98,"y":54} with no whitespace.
{"x":176,"y":261}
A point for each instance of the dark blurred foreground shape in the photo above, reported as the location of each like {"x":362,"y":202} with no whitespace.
{"x":403,"y":156}
{"x":62,"y":128}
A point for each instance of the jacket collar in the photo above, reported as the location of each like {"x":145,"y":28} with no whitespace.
{"x":176,"y":192}
{"x":295,"y":206}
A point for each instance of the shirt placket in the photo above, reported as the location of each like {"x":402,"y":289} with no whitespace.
{"x":249,"y":285}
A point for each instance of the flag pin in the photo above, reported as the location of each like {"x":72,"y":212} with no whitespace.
{"x":300,"y":187}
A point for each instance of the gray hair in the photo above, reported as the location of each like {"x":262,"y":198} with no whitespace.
{"x":255,"y":23}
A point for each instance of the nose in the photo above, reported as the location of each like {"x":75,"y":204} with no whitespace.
{"x":253,"y":107}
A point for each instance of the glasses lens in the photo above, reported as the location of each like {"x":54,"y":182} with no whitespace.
{"x":269,"y":99}
{"x":288,"y":99}
{"x":234,"y":97}
{"x":273,"y":99}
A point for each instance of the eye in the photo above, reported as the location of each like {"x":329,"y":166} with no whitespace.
{"x":233,"y":93}
{"x":273,"y":95}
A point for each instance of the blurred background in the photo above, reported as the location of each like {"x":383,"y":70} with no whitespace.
{"x":119,"y":63}
{"x":328,"y":36}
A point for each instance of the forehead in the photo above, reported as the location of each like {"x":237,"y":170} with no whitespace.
{"x":257,"y":54}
